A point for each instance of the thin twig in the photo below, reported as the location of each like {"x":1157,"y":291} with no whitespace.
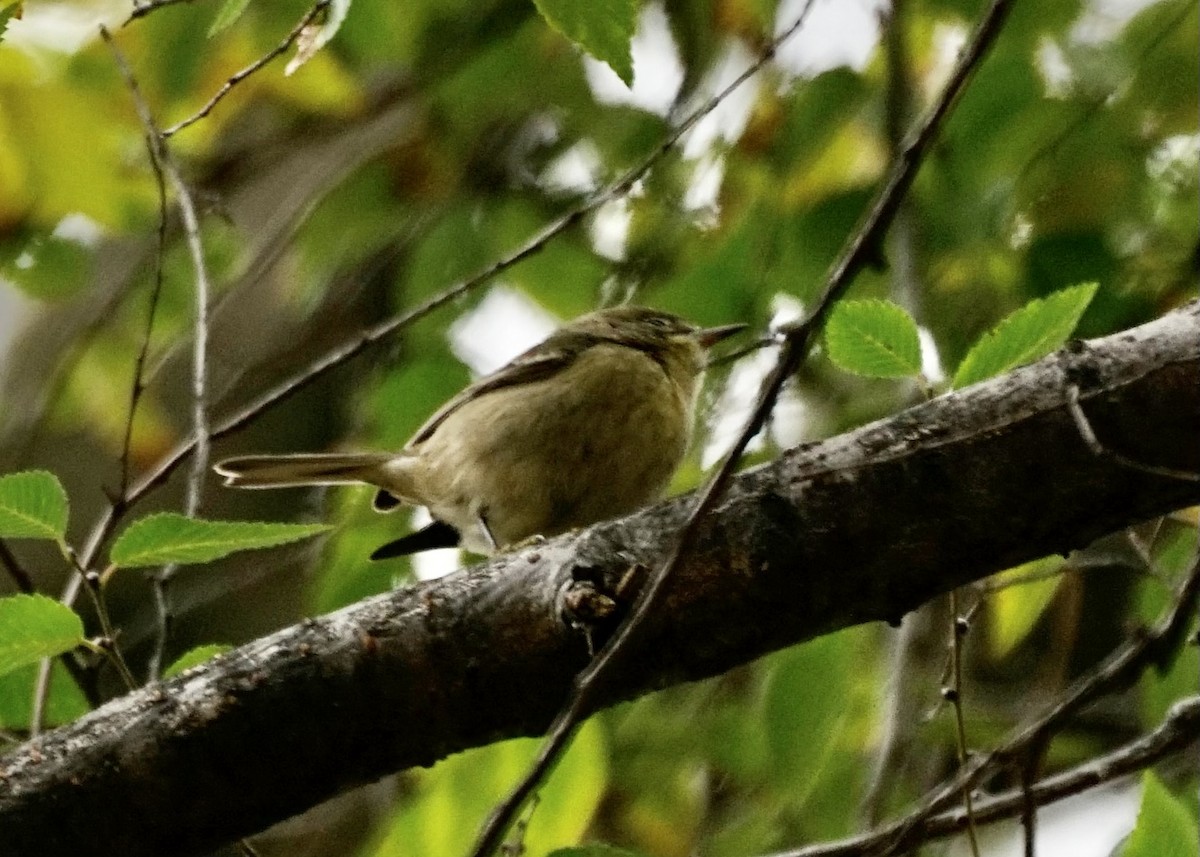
{"x":958,"y":629}
{"x":15,"y":570}
{"x":318,"y":8}
{"x":858,"y":251}
{"x":1121,"y":668}
{"x":166,"y":168}
{"x":108,"y":642}
{"x":138,"y":387}
{"x":140,"y":10}
{"x":1084,"y":427}
{"x":1179,"y":730}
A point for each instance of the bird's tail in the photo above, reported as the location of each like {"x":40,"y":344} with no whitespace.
{"x":287,"y":471}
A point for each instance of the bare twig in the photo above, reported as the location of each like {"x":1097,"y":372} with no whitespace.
{"x":166,"y":168}
{"x":15,"y":570}
{"x":1177,"y":732}
{"x":958,"y":629}
{"x":1121,"y":668}
{"x":138,"y":387}
{"x":140,"y":10}
{"x":1098,"y":448}
{"x":318,"y":8}
{"x":859,"y":250}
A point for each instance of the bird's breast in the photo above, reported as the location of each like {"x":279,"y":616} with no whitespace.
{"x":597,"y":440}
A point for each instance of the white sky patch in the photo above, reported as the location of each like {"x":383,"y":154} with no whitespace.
{"x":63,"y":28}
{"x":430,"y":565}
{"x":948,"y":42}
{"x":79,"y":228}
{"x":576,"y":170}
{"x":704,"y":190}
{"x":1176,"y":161}
{"x":1091,"y":824}
{"x":1057,"y":75}
{"x":504,"y":324}
{"x":728,"y":119}
{"x":610,"y":228}
{"x":657,"y":69}
{"x":789,"y":420}
{"x":931,"y":360}
{"x":842,"y":33}
{"x":1102,"y":20}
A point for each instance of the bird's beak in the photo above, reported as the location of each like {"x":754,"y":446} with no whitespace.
{"x":710,"y":336}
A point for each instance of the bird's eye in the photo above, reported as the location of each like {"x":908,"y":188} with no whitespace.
{"x":659,"y":321}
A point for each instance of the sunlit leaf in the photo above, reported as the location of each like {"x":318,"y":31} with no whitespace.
{"x":1028,"y":334}
{"x":8,"y":13}
{"x":194,"y":657}
{"x":873,"y":338}
{"x":229,"y":12}
{"x":1165,"y":828}
{"x":172,"y":538}
{"x":65,"y":702}
{"x":33,"y":505}
{"x":444,"y":808}
{"x":33,"y":627}
{"x":602,"y":28}
{"x":1014,"y":610}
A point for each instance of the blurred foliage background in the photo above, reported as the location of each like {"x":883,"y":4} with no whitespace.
{"x":430,"y":138}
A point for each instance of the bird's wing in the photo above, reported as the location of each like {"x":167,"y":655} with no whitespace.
{"x":537,"y":364}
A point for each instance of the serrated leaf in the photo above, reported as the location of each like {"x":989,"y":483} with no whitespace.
{"x":9,"y":12}
{"x":1028,"y":334}
{"x":316,"y":34}
{"x":1014,"y":610}
{"x":1164,"y":827}
{"x":603,"y":28}
{"x":33,"y":627}
{"x":229,"y":12}
{"x":171,"y":538}
{"x":195,"y":657}
{"x":874,"y":338}
{"x":33,"y":505}
{"x":65,"y":703}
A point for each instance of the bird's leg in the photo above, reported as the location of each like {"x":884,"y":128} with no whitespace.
{"x":481,"y":516}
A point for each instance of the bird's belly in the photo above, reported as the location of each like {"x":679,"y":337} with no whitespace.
{"x":553,"y":456}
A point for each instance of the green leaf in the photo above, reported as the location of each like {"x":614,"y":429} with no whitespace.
{"x":33,"y":627}
{"x":33,"y":505}
{"x":603,"y":28}
{"x":1164,"y":828}
{"x":8,"y":13}
{"x":65,"y":703}
{"x":1028,"y":334}
{"x":446,"y":802}
{"x":171,"y":538}
{"x":316,"y":35}
{"x":229,"y":12}
{"x":194,"y":657}
{"x":873,"y":338}
{"x":1014,"y":610}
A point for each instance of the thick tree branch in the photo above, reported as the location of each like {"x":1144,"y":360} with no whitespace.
{"x":863,"y":527}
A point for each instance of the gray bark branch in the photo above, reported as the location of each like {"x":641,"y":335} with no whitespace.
{"x":863,"y":527}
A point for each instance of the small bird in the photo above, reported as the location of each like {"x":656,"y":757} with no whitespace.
{"x":588,"y":425}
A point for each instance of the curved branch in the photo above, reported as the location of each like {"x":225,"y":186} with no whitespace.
{"x":859,"y":528}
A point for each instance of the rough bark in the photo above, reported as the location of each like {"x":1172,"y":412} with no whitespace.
{"x":860,"y":528}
